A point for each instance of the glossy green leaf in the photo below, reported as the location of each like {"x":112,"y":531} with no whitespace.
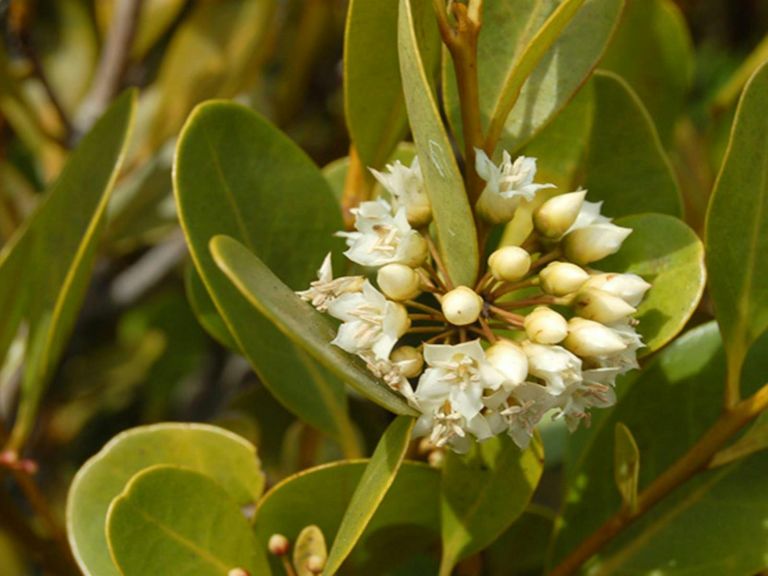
{"x":483,"y":493}
{"x":626,"y":465}
{"x":225,"y":457}
{"x":373,"y":93}
{"x":668,"y":407}
{"x":205,"y":309}
{"x":310,"y":542}
{"x":626,"y":166}
{"x":755,"y":440}
{"x":652,"y":50}
{"x":509,"y":26}
{"x":407,"y":521}
{"x":172,"y":520}
{"x":374,"y":485}
{"x":737,"y":227}
{"x":457,"y":239}
{"x":236,"y":174}
{"x":522,"y":549}
{"x":213,"y":54}
{"x":46,"y":297}
{"x":669,"y":255}
{"x":298,"y":321}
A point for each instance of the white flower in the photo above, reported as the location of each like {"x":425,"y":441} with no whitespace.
{"x":589,"y":214}
{"x":556,"y":216}
{"x":594,"y":242}
{"x":370,"y":322}
{"x":506,"y":185}
{"x":626,"y":359}
{"x":461,"y":306}
{"x":509,"y":359}
{"x":509,"y":263}
{"x":555,"y":365}
{"x":524,"y":409}
{"x":459,"y":374}
{"x":591,"y":339}
{"x":444,"y":426}
{"x":383,"y":238}
{"x":406,"y":185}
{"x":629,"y":287}
{"x":594,"y":391}
{"x":561,"y":278}
{"x":390,"y":372}
{"x":601,"y":306}
{"x":325,"y":289}
{"x":545,"y":326}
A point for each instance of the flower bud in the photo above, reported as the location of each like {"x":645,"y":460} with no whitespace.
{"x":396,"y":320}
{"x":462,"y":306}
{"x":557,"y":215}
{"x":594,"y":242}
{"x":591,"y":339}
{"x":629,"y":287}
{"x":398,"y":281}
{"x":315,"y":564}
{"x":278,"y":545}
{"x":408,"y":360}
{"x":238,"y":572}
{"x":510,"y":263}
{"x":600,"y":306}
{"x":414,"y":250}
{"x":561,"y":278}
{"x":546,"y":326}
{"x":509,"y":359}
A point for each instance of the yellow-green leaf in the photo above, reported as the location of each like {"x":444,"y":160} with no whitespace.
{"x":626,"y":465}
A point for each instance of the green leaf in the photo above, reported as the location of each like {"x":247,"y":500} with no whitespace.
{"x":737,"y":228}
{"x":509,"y":27}
{"x":155,"y":18}
{"x":755,"y":440}
{"x":457,"y":238}
{"x":171,"y":520}
{"x":626,"y":465}
{"x":236,"y":174}
{"x":669,"y":255}
{"x":205,"y":309}
{"x":60,"y":239}
{"x":483,"y":493}
{"x":374,"y":485}
{"x":626,"y":165}
{"x":298,"y":321}
{"x":374,"y":105}
{"x":407,"y":521}
{"x":310,"y":542}
{"x":523,"y":547}
{"x":652,"y":50}
{"x":214,"y":53}
{"x":669,"y":407}
{"x":225,"y":457}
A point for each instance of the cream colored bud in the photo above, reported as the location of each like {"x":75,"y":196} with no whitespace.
{"x":398,"y":281}
{"x":510,"y":263}
{"x":594,"y":242}
{"x":587,"y":338}
{"x":278,"y":545}
{"x":509,"y":359}
{"x":462,"y":306}
{"x":561,"y":278}
{"x":600,"y":306}
{"x":436,"y":458}
{"x":408,"y":360}
{"x":557,"y":215}
{"x":238,"y":572}
{"x":419,"y":212}
{"x":315,"y":564}
{"x":494,"y":208}
{"x":629,"y":287}
{"x":396,"y":319}
{"x":415,"y":250}
{"x":545,"y":326}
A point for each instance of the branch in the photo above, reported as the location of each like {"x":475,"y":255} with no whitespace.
{"x":694,"y":461}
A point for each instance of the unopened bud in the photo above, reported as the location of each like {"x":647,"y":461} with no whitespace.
{"x":414,"y":250}
{"x":594,"y":242}
{"x":436,"y":458}
{"x":557,"y":215}
{"x":496,"y":209}
{"x":629,"y":287}
{"x":398,"y":281}
{"x":238,"y":572}
{"x":546,"y":326}
{"x":315,"y":564}
{"x":561,"y":278}
{"x":396,"y":318}
{"x":587,"y":338}
{"x":278,"y":545}
{"x":510,"y":263}
{"x":509,"y":359}
{"x":462,"y":306}
{"x":409,"y":361}
{"x":600,"y":306}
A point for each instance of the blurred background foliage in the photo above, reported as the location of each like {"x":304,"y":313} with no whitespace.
{"x":142,"y":349}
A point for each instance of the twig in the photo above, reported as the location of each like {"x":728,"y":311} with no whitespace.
{"x":527,"y":302}
{"x":691,"y":463}
{"x":439,"y":263}
{"x":513,"y":319}
{"x":506,"y":288}
{"x":357,"y":188}
{"x":113,"y":61}
{"x":487,"y":332}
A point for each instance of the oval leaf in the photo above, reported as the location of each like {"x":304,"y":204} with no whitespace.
{"x":171,"y":520}
{"x":643,"y":180}
{"x":236,"y":174}
{"x":483,"y":493}
{"x":737,"y":227}
{"x":310,"y":542}
{"x":298,"y":320}
{"x":373,"y":487}
{"x":669,"y":255}
{"x":225,"y":457}
{"x":454,"y":222}
{"x":626,"y":465}
{"x":407,"y":520}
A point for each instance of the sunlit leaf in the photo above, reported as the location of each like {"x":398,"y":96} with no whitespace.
{"x":626,"y":465}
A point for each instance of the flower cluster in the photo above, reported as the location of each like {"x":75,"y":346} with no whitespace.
{"x":539,"y":332}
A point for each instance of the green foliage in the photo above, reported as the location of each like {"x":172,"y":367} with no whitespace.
{"x":626,"y":465}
